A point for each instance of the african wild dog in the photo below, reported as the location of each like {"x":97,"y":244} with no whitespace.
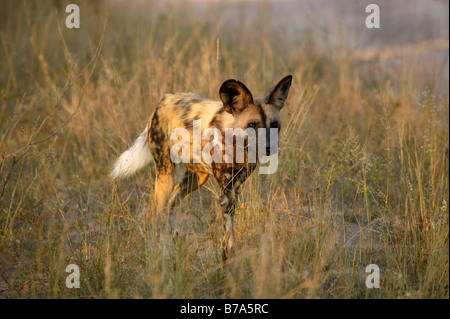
{"x":237,"y":109}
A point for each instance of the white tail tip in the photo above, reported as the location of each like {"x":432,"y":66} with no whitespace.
{"x":133,"y":159}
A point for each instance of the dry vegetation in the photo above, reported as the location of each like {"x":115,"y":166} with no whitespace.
{"x":362,"y":179}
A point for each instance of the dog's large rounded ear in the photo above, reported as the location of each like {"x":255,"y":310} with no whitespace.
{"x":278,"y":95}
{"x":235,"y":96}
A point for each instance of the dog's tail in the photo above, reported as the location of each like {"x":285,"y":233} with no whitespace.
{"x":133,"y":159}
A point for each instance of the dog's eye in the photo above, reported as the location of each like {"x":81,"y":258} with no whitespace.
{"x":275,"y":124}
{"x":252,"y":125}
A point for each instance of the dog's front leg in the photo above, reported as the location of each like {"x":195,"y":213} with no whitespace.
{"x":227,"y":207}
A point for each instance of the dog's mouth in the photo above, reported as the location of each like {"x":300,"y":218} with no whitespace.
{"x":269,"y":150}
{"x":273,"y":149}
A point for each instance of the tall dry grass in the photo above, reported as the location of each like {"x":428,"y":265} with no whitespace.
{"x":362,"y":178}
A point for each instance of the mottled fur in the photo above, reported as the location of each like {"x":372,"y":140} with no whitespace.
{"x":237,"y":109}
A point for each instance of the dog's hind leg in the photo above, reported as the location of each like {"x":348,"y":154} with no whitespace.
{"x":163,"y":188}
{"x":189,"y":184}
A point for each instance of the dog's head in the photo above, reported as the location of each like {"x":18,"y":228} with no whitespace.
{"x":256,"y":113}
